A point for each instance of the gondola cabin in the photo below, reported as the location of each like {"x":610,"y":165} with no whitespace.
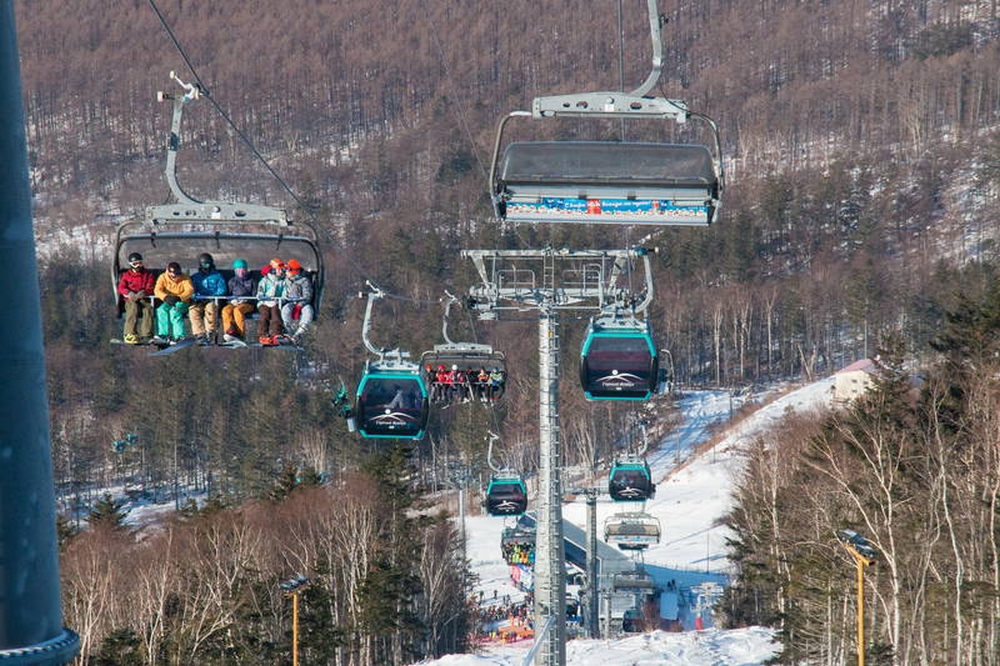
{"x":392,"y":401}
{"x":632,"y":531}
{"x":618,"y":360}
{"x":506,"y":495}
{"x":603,"y":182}
{"x":630,"y":481}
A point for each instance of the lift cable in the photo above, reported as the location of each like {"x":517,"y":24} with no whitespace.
{"x":309,"y":210}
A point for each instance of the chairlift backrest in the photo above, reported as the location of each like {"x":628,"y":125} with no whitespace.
{"x":465,"y":356}
{"x":632,"y":530}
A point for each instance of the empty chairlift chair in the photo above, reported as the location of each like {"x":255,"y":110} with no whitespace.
{"x":607,"y":182}
{"x":598,"y":182}
{"x":632,"y":531}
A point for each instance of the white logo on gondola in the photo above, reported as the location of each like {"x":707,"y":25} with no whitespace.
{"x":505,"y":505}
{"x":391,"y":418}
{"x":631,"y":492}
{"x":619,"y":380}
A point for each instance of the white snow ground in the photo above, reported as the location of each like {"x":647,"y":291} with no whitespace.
{"x":692,"y":495}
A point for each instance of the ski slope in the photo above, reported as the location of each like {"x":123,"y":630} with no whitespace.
{"x":692,"y":497}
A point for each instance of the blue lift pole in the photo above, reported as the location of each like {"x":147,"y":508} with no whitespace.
{"x":31,"y":627}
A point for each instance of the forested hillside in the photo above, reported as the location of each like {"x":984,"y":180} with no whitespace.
{"x":859,"y":139}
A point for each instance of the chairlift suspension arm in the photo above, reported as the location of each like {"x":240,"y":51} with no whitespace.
{"x":619,"y":267}
{"x":373,"y":295}
{"x":444,"y":319}
{"x":654,"y":31}
{"x":492,"y":436}
{"x":191,"y":92}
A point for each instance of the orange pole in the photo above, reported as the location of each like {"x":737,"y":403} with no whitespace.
{"x":861,"y":610}
{"x":295,"y":629}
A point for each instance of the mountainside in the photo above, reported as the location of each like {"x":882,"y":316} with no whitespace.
{"x":861,"y":148}
{"x":858,"y":140}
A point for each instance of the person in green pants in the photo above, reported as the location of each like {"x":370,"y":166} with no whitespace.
{"x":174,"y":289}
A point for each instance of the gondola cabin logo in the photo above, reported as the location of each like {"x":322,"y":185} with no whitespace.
{"x":619,"y":381}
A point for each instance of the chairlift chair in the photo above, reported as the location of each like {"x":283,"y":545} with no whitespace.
{"x":632,"y":531}
{"x":632,"y":582}
{"x":518,"y":544}
{"x":618,"y":360}
{"x":182,"y":230}
{"x":605,"y":182}
{"x":630,"y":480}
{"x":468,"y":358}
{"x":506,"y":495}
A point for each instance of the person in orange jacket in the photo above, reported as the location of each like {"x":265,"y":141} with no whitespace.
{"x":174,"y":289}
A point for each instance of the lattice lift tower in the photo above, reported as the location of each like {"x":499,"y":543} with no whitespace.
{"x":552,"y":281}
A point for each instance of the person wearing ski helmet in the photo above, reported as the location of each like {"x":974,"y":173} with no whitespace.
{"x":297,"y":310}
{"x":242,"y":291}
{"x":269,"y":292}
{"x":175,"y":290}
{"x":209,"y":288}
{"x":135,"y":286}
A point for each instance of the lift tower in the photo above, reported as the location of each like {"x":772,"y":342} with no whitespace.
{"x":31,"y":627}
{"x":551,"y":281}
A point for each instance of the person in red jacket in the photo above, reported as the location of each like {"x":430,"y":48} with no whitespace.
{"x":136,"y":289}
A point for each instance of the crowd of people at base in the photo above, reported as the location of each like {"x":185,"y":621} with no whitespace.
{"x":457,"y":385}
{"x":505,"y":621}
{"x":281,"y":297}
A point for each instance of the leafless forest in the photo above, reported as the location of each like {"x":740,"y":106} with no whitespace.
{"x":862,"y":158}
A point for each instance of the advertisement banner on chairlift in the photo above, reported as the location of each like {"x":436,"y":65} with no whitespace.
{"x":608,"y":211}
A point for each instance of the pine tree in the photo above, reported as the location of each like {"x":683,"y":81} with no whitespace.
{"x":108,"y":513}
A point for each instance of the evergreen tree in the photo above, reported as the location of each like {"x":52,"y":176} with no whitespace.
{"x":108,"y":513}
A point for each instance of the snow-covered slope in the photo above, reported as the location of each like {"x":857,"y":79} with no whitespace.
{"x":693,"y":494}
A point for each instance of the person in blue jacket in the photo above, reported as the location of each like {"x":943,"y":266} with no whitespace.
{"x":209,"y":289}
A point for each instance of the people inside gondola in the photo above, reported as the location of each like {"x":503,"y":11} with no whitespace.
{"x":209,"y":288}
{"x":269,"y":292}
{"x":242,"y":290}
{"x":297,"y":309}
{"x":399,"y":400}
{"x":136,"y":289}
{"x":174,"y":290}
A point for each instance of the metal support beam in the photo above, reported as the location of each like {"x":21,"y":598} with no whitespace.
{"x":591,"y":612}
{"x":551,"y":280}
{"x":550,"y":558}
{"x":31,"y":628}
